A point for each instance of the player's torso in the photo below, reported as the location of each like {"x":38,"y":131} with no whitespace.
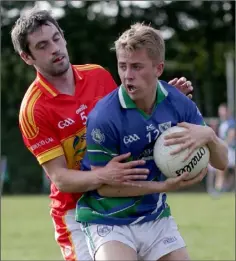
{"x":138,"y":133}
{"x":68,"y":116}
{"x":135,"y":133}
{"x":53,"y":123}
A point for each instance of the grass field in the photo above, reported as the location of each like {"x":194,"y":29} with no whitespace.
{"x":207,"y":225}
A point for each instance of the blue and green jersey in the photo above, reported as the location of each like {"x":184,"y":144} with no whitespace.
{"x":116,"y":126}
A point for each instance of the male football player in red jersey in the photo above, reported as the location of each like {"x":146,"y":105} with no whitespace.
{"x":53,"y":118}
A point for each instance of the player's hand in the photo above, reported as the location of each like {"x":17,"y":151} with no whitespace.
{"x":116,"y":172}
{"x":172,"y":184}
{"x":182,"y":85}
{"x":193,"y":137}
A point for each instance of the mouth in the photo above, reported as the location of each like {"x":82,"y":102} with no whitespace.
{"x":58,"y":59}
{"x":131,"y":88}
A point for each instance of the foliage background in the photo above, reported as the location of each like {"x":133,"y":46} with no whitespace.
{"x":198,"y":35}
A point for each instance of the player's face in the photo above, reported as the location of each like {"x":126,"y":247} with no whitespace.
{"x":49,"y":52}
{"x":138,"y":73}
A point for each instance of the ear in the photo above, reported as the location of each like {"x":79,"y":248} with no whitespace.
{"x":159,"y":69}
{"x":27,"y":58}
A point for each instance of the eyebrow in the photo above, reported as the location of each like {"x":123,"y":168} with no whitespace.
{"x":120,"y":63}
{"x":41,"y":42}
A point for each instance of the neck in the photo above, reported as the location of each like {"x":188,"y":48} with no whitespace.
{"x":148,"y":102}
{"x":64,"y":83}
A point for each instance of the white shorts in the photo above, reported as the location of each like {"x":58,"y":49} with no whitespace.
{"x":151,"y":240}
{"x":70,"y":236}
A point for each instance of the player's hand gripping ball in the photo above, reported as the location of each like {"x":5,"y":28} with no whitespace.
{"x":174,"y":165}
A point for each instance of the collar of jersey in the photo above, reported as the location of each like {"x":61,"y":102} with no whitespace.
{"x":127,"y":103}
{"x":48,"y":89}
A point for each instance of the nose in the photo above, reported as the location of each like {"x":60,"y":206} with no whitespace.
{"x":54,"y":48}
{"x":129,"y":74}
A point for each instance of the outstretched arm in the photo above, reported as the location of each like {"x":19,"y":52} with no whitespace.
{"x":73,"y":181}
{"x":140,"y":188}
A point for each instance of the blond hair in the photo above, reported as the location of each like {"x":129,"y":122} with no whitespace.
{"x":142,"y":36}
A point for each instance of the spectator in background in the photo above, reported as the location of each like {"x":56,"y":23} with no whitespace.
{"x":214,"y":124}
{"x":210,"y":178}
{"x":226,"y":132}
{"x":226,"y":121}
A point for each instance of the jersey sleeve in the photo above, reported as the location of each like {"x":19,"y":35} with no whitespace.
{"x":192,"y":113}
{"x":101,"y":140}
{"x":39,"y":137}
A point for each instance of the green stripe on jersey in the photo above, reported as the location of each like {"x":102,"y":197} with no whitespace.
{"x":95,"y":157}
{"x":99,"y":148}
{"x":98,"y":153}
{"x":86,"y":214}
{"x":97,"y":207}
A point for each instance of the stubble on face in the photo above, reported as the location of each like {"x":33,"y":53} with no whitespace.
{"x":59,"y":70}
{"x":53,"y":58}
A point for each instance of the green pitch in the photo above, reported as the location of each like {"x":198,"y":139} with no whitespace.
{"x":207,"y":225}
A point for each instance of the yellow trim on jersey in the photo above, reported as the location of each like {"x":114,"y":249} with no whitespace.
{"x":72,"y":135}
{"x":30,"y":109}
{"x":30,"y":90}
{"x":50,"y":154}
{"x":26,"y":117}
{"x":26,"y":128}
{"x":87,"y":67}
{"x":48,"y":88}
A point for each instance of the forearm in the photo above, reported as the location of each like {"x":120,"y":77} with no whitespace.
{"x":75,"y":181}
{"x":218,"y":153}
{"x":142,"y":188}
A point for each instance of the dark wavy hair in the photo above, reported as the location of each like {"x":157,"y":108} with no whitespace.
{"x":27,"y":24}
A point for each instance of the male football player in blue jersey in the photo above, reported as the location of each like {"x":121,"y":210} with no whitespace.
{"x":133,"y":221}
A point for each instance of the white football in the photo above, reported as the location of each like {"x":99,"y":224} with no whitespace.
{"x":173,"y":165}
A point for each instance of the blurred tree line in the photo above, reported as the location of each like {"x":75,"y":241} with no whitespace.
{"x":198,"y":35}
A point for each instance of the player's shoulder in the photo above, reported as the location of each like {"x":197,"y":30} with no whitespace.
{"x":91,"y":70}
{"x":172,"y":91}
{"x":175,"y":96}
{"x":31,"y":105}
{"x":32,"y":99}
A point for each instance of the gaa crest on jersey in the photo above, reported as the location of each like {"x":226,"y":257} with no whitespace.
{"x":164,"y":126}
{"x":98,"y":136}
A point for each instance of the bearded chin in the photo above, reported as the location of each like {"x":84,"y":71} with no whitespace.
{"x":60,"y":71}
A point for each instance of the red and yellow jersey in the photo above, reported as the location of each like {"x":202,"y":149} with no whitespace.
{"x":54,"y":124}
